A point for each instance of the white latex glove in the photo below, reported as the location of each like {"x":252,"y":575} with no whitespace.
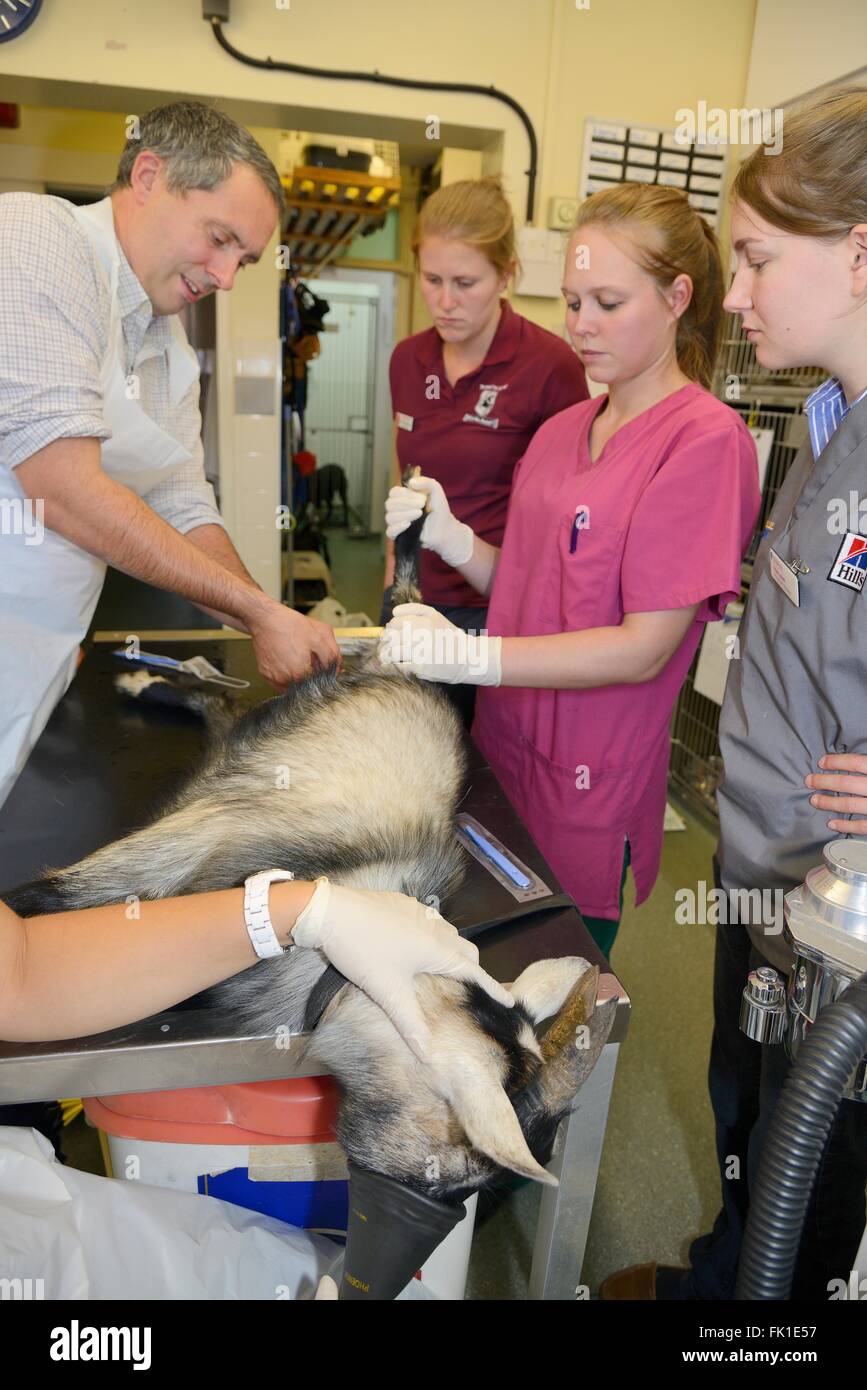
{"x":423,"y":642}
{"x":381,"y":941}
{"x":442,"y":532}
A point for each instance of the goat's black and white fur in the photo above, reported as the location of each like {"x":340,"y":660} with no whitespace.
{"x":356,"y":776}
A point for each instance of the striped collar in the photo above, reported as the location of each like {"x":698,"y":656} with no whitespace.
{"x":824,"y":410}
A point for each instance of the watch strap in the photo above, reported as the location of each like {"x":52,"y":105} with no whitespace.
{"x":260,"y":928}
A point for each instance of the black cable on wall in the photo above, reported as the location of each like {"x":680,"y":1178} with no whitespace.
{"x":385,"y":81}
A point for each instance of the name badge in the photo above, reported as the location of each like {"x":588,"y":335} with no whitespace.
{"x":404,"y":422}
{"x":783,"y":575}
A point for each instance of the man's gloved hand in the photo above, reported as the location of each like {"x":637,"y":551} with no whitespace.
{"x":421,"y":641}
{"x":442,"y":532}
{"x":381,"y":941}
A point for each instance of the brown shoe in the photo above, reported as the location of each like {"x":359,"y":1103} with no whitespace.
{"x":638,"y":1282}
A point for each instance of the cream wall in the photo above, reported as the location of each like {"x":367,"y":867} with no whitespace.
{"x":248,"y":346}
{"x":165,"y":48}
{"x":61,"y":145}
{"x":616,"y":58}
{"x":795,"y":51}
{"x":563,"y":60}
{"x":633,"y":62}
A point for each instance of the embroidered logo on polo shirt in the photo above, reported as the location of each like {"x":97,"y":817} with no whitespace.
{"x":484,"y":405}
{"x":850,"y":566}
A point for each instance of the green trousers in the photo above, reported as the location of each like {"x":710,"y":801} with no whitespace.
{"x":604,"y":929}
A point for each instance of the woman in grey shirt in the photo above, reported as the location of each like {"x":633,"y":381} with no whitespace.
{"x":793,"y":730}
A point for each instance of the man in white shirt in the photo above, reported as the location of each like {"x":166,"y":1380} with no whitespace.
{"x":100,"y":449}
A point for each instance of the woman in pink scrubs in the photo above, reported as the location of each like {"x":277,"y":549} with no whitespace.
{"x":629,"y":517}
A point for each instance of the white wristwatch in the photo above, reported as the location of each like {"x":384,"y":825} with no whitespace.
{"x":260,"y":928}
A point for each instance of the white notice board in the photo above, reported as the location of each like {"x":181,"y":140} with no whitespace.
{"x":617,"y":152}
{"x":717,"y":652}
{"x":764,"y":441}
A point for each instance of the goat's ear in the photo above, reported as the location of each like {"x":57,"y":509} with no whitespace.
{"x":544,"y":986}
{"x":485,"y":1112}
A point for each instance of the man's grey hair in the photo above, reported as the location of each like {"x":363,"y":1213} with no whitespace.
{"x":200,"y":147}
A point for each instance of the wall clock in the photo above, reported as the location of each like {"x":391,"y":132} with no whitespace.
{"x":16,"y":16}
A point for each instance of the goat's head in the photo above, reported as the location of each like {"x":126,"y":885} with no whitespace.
{"x":493,"y":1096}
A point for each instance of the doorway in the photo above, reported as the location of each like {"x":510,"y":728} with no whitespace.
{"x":339,"y":421}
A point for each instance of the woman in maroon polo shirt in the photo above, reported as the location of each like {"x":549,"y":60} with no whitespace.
{"x":469,"y":393}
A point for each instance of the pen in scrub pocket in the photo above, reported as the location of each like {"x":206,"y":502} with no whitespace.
{"x":582,"y":518}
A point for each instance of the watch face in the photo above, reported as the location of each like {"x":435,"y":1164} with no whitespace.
{"x":16,"y":16}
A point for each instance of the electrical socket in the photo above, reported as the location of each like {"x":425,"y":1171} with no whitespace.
{"x":562,"y":213}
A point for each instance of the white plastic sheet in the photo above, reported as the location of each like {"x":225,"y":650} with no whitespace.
{"x":88,"y":1237}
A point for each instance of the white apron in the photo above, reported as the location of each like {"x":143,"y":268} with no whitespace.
{"x":49,"y":590}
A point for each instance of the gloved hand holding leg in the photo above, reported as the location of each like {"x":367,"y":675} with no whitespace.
{"x":421,"y":641}
{"x":442,"y":532}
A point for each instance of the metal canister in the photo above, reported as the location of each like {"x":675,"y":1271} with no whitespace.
{"x":763,"y":1006}
{"x":826,"y":923}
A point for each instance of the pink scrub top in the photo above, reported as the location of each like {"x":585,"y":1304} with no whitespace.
{"x":665,"y":515}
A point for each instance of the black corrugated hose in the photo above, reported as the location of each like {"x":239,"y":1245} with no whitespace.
{"x":793,"y":1148}
{"x":417,"y":84}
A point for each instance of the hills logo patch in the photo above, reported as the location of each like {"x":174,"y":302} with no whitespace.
{"x":850,"y":566}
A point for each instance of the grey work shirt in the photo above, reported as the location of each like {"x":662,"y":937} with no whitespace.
{"x":799,"y":687}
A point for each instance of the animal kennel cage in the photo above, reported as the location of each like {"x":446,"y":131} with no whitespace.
{"x":768,"y":401}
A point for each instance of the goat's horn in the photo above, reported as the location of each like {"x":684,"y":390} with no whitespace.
{"x":577,"y":1008}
